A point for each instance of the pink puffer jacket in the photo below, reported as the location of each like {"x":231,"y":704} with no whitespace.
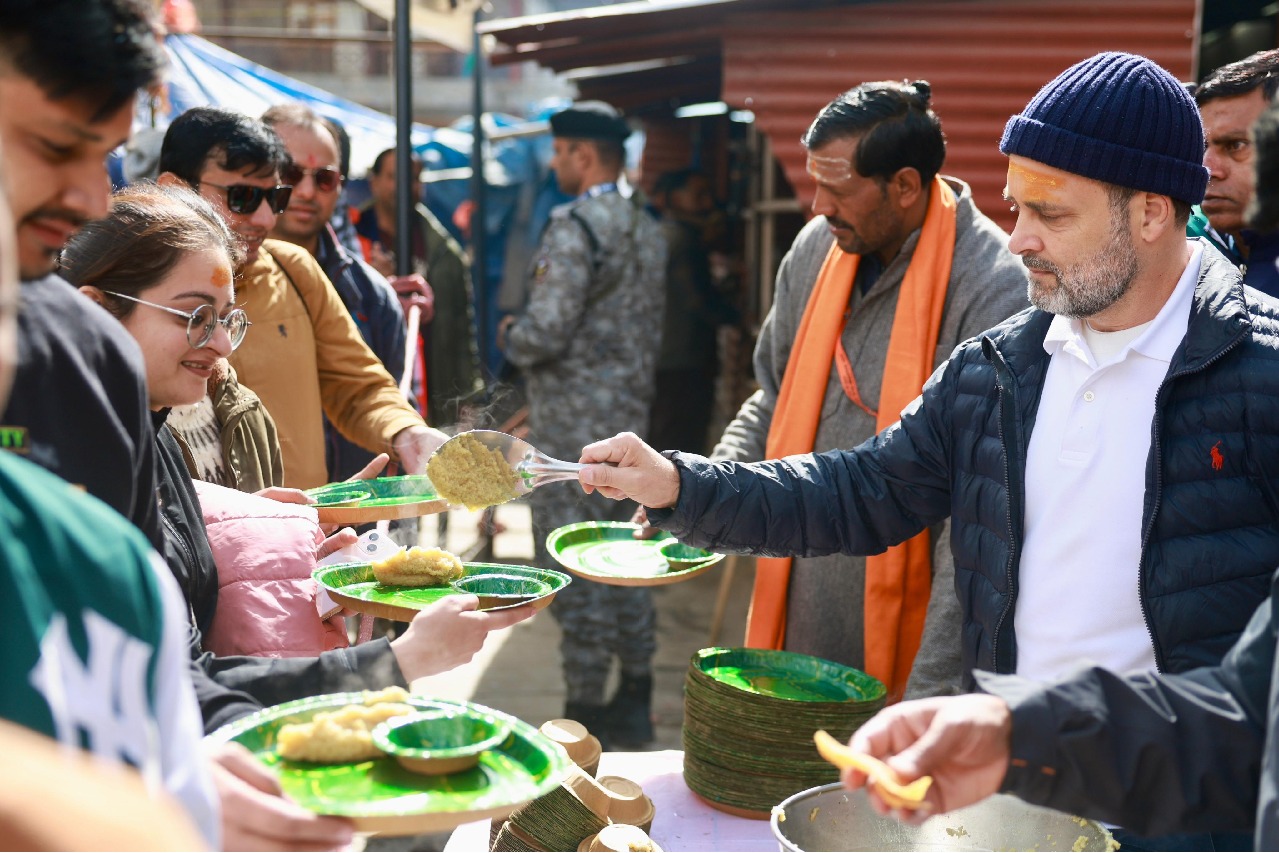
{"x":265,"y":553}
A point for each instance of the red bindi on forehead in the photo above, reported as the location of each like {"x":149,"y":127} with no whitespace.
{"x":312,"y":161}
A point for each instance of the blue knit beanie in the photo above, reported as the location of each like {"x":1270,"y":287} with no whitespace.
{"x":1116,"y":118}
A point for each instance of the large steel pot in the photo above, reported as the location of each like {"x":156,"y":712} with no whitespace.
{"x":832,"y":818}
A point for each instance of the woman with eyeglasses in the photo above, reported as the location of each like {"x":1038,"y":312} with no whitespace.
{"x":161,"y":264}
{"x":162,"y":261}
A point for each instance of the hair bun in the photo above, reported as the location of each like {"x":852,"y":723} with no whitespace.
{"x":923,"y":90}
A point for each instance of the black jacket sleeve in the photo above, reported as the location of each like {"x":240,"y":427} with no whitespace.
{"x":859,"y":501}
{"x":367,"y":666}
{"x":79,"y":401}
{"x":1153,"y":753}
{"x":219,"y":704}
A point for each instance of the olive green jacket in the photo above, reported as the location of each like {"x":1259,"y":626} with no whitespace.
{"x":250,"y":445}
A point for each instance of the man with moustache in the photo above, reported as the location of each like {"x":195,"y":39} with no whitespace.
{"x":87,"y":584}
{"x":66,"y":101}
{"x":79,"y":403}
{"x":1105,"y":458}
{"x":875,"y":154}
{"x":305,"y":359}
{"x":1230,"y":100}
{"x":1162,"y":752}
{"x":315,"y":175}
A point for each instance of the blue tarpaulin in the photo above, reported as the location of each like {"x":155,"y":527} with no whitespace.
{"x":202,"y":74}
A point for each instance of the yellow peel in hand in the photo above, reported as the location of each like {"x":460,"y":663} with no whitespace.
{"x":881,"y":776}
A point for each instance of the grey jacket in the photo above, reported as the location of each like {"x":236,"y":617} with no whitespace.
{"x":587,"y":342}
{"x":987,"y":284}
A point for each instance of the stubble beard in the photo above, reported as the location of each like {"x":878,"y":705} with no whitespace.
{"x":1091,"y":286}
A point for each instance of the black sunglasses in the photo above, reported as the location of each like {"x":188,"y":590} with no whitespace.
{"x":245,"y":199}
{"x":327,"y":179}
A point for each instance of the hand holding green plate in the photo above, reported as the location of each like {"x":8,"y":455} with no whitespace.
{"x":608,"y":552}
{"x":353,"y":586}
{"x":381,"y":499}
{"x":380,"y":796}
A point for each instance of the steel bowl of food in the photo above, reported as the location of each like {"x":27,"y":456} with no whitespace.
{"x":830,"y":817}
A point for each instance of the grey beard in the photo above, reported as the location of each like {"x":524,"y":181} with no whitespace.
{"x":1090,"y":287}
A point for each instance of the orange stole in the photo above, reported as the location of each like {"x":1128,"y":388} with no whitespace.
{"x":897,"y":581}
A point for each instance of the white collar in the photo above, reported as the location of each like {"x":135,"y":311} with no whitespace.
{"x":1159,"y":340}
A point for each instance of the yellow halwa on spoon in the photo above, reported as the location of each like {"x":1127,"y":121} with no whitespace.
{"x":881,"y":776}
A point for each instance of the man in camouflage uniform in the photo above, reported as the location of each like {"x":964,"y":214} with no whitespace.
{"x":587,"y":345}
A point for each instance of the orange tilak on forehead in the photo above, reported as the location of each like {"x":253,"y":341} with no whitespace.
{"x":1029,"y":184}
{"x":221,"y":277}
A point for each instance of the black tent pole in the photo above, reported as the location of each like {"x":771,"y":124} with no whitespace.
{"x":479,"y":266}
{"x":404,"y":200}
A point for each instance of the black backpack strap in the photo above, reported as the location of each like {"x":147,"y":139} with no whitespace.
{"x":597,"y":261}
{"x":591,"y":239}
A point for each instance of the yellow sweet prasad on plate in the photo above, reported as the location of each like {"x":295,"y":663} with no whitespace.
{"x":419,"y":567}
{"x":343,"y":735}
{"x":881,"y":776}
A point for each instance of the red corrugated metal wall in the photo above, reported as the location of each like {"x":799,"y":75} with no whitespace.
{"x":673,"y":143}
{"x":984,"y":58}
{"x":668,"y":145}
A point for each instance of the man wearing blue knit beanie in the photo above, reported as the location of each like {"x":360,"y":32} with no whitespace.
{"x":1145,"y":386}
{"x":1107,"y":457}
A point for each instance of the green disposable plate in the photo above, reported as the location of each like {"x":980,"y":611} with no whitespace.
{"x":385,"y":491}
{"x":354,"y":586}
{"x":383,"y":499}
{"x":784,"y":675}
{"x":380,"y":796}
{"x":608,"y":552}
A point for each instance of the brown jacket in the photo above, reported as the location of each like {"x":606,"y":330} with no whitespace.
{"x":304,"y":356}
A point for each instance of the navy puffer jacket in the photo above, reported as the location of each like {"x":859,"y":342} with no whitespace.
{"x":1209,"y":535}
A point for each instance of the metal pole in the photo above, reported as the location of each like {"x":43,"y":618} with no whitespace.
{"x":479,"y":241}
{"x":404,"y":200}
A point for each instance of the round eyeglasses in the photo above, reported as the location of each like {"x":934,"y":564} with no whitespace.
{"x":202,"y":322}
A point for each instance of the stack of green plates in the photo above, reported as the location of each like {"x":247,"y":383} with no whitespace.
{"x":749,"y":718}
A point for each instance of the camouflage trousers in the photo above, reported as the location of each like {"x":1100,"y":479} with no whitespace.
{"x":597,"y":621}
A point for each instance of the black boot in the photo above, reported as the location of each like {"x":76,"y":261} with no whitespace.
{"x":594,"y":717}
{"x":630,"y":713}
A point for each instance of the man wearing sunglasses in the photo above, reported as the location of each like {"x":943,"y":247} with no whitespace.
{"x":315,"y":176}
{"x":305,"y":358}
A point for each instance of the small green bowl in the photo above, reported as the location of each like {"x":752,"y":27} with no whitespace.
{"x":436,"y":743}
{"x":501,"y":590}
{"x":681,"y":556}
{"x":339,"y":496}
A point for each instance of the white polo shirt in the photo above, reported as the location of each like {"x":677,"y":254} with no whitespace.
{"x":1077,"y":599}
